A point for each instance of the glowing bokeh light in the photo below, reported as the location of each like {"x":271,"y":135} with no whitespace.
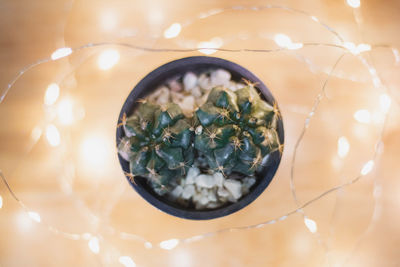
{"x":51,"y":95}
{"x":385,"y":101}
{"x":53,"y":135}
{"x":108,"y":59}
{"x":108,"y":20}
{"x":210,"y":47}
{"x":282,"y":40}
{"x":1,"y":202}
{"x":362,"y":116}
{"x":169,"y":244}
{"x":94,"y":150}
{"x":172,"y":31}
{"x":343,"y":147}
{"x":65,"y":111}
{"x":126,"y":261}
{"x":367,"y":168}
{"x":36,"y":133}
{"x":354,"y":3}
{"x":61,"y":52}
{"x":94,"y":245}
{"x":34,"y":216}
{"x":311,"y":225}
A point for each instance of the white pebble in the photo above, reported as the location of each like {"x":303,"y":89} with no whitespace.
{"x":188,"y":191}
{"x":222,"y":192}
{"x":204,"y":82}
{"x":196,"y":92}
{"x":189,"y":81}
{"x":204,"y":180}
{"x":177,"y":192}
{"x":211,"y":195}
{"x":213,"y":205}
{"x":219,"y":179}
{"x":175,"y":86}
{"x":163,"y":98}
{"x":234,"y":187}
{"x":187,"y":105}
{"x":220,"y":77}
{"x":248,"y":182}
{"x":192,"y":173}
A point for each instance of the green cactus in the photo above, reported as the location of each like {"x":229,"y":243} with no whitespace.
{"x":236,"y":130}
{"x":158,"y":143}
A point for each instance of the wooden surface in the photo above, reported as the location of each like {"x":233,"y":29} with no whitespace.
{"x":84,"y":191}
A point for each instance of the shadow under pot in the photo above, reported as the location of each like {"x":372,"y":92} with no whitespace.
{"x":200,"y":137}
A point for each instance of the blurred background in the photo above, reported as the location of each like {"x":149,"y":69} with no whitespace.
{"x":58,"y":119}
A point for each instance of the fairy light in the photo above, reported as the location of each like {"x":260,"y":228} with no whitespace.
{"x":385,"y":102}
{"x":126,"y":261}
{"x":310,"y":224}
{"x":34,"y":216}
{"x":94,"y":150}
{"x":209,"y":47}
{"x":367,"y":168}
{"x":362,"y":116}
{"x":36,"y":133}
{"x":172,"y":31}
{"x":284,"y":41}
{"x":61,"y":52}
{"x":396,"y":55}
{"x":52,"y":93}
{"x":108,"y":59}
{"x":354,"y":3}
{"x":108,"y":20}
{"x":1,"y":202}
{"x":65,"y":111}
{"x":169,"y":244}
{"x":343,"y":147}
{"x":53,"y":135}
{"x":94,"y":245}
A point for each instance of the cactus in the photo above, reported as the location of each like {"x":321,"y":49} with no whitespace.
{"x":158,"y":143}
{"x":236,"y":130}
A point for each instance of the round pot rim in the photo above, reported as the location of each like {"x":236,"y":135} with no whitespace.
{"x":181,"y":66}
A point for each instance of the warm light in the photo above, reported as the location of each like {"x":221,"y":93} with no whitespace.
{"x":53,"y":135}
{"x":61,"y":52}
{"x":343,"y":147}
{"x":385,"y":101}
{"x":1,"y":202}
{"x":34,"y":216}
{"x":354,"y":3}
{"x":107,"y":59}
{"x":65,"y":111}
{"x":127,"y":261}
{"x":36,"y":133}
{"x":363,"y":48}
{"x":209,"y":48}
{"x":94,"y":150}
{"x":52,"y":93}
{"x":311,"y":225}
{"x":108,"y":20}
{"x":314,"y":18}
{"x":367,"y":168}
{"x":169,"y":244}
{"x":172,"y":31}
{"x":362,"y":116}
{"x":284,"y":41}
{"x":94,"y":245}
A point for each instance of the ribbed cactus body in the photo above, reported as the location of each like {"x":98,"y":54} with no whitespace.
{"x":158,"y":143}
{"x":236,"y":130}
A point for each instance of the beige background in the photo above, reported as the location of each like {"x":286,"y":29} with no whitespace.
{"x":80,"y":191}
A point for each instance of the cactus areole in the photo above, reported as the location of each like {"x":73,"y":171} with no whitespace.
{"x":236,"y":132}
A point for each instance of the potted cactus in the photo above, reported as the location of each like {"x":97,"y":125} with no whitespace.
{"x":200,"y":137}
